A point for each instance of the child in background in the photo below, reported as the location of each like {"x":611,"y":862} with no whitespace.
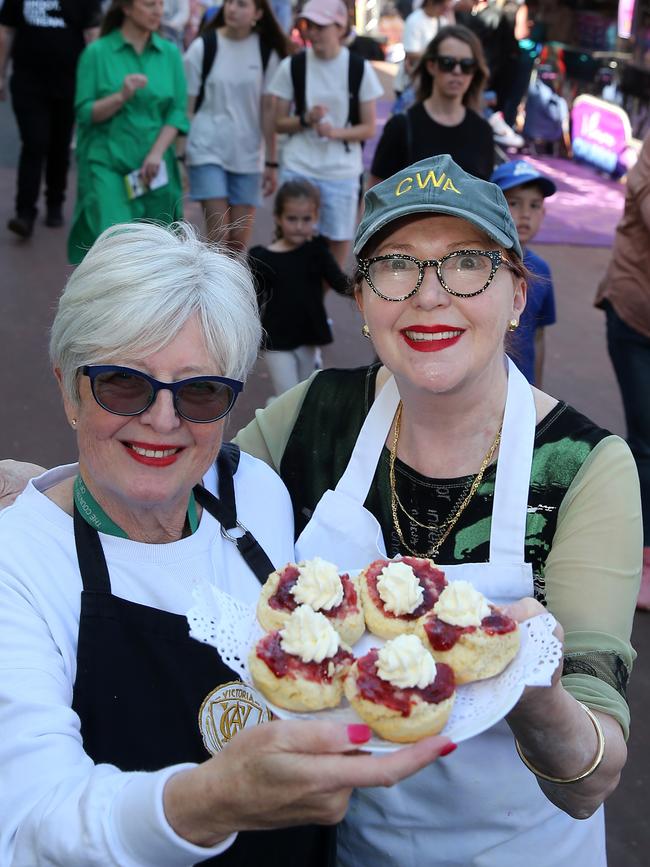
{"x":525,"y":190}
{"x":290,"y":274}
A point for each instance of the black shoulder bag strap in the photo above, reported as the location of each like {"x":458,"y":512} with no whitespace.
{"x":409,"y":136}
{"x":298,"y":67}
{"x":224,"y":509}
{"x":355,"y":75}
{"x":209,"y":53}
{"x":265,"y":50}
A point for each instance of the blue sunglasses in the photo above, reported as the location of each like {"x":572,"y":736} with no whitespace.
{"x":124,"y":391}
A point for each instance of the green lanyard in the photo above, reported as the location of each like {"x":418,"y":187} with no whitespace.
{"x":92,"y":512}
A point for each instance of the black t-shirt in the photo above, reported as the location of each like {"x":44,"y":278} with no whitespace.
{"x":290,"y":293}
{"x":414,"y":136}
{"x":48,"y":35}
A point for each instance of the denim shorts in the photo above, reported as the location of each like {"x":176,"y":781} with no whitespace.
{"x":210,"y":181}
{"x":339,"y":204}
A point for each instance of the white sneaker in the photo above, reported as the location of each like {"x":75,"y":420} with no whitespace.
{"x":504,"y":134}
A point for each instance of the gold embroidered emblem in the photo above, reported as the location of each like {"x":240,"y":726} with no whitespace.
{"x":406,"y":184}
{"x":228,"y":709}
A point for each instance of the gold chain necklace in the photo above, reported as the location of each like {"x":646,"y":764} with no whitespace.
{"x":447,"y":526}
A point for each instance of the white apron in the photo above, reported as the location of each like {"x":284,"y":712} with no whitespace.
{"x":479,"y":806}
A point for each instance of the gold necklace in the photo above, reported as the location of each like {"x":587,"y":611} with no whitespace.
{"x":447,"y":526}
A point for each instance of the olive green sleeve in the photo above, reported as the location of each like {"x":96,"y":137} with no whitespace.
{"x":266,"y":436}
{"x":592,"y":577}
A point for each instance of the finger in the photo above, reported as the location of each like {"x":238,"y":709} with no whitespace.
{"x":524,"y":609}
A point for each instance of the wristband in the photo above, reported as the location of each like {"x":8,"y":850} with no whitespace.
{"x":271,"y":165}
{"x":600,"y":751}
{"x":180,"y":158}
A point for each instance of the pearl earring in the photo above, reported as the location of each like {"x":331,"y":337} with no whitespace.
{"x":366,"y":332}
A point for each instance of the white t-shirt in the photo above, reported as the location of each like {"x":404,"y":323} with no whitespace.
{"x":419,"y":30}
{"x":326,"y":84}
{"x":227,"y":129}
{"x":56,"y":805}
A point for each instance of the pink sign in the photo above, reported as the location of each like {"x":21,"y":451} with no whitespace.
{"x":625,"y":18}
{"x":600,"y":132}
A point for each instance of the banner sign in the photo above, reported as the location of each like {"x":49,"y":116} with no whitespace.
{"x":625,"y":18}
{"x":601,"y":134}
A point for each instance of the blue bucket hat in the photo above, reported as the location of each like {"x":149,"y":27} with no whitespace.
{"x":518,"y":172}
{"x":438,"y":185}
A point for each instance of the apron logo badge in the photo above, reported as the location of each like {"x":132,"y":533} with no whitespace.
{"x":228,"y":709}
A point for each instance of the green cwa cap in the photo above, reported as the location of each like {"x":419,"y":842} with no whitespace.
{"x":438,"y":185}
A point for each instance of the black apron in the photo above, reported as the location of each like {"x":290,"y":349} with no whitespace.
{"x":141,"y":681}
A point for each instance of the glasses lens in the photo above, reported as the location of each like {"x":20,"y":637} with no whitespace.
{"x":394,"y":277}
{"x":466,"y":273}
{"x":467,"y":65}
{"x":204,"y":400}
{"x":122,"y":393}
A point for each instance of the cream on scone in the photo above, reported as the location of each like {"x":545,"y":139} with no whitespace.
{"x":318,"y":584}
{"x":469,"y":634}
{"x":396,"y":593}
{"x":301,"y":667}
{"x":400,"y":692}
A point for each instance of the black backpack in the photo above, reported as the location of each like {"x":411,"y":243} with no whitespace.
{"x":355,"y":75}
{"x":210,"y":46}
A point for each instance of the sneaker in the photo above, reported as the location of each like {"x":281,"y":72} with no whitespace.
{"x":21,"y":226}
{"x":643,"y":599}
{"x":504,"y":134}
{"x":54,"y":217}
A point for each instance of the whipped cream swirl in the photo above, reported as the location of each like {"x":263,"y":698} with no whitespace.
{"x":309,"y":635}
{"x":405,"y":663}
{"x":399,"y":588}
{"x":318,"y":585}
{"x":460,"y":604}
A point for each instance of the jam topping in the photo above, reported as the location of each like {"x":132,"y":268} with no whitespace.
{"x":282,"y":664}
{"x":283,"y":599}
{"x":443,"y":636}
{"x":432,"y":581}
{"x":373,"y":688}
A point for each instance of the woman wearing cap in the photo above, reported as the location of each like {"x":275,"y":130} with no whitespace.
{"x":108,"y":709}
{"x":443,"y":450}
{"x":445,"y":119}
{"x":333,"y":93}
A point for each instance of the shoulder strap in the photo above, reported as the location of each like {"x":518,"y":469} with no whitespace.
{"x":298,"y":78}
{"x":209,"y":53}
{"x":356,"y":67}
{"x":224,"y":509}
{"x":265,"y":50}
{"x":409,"y":136}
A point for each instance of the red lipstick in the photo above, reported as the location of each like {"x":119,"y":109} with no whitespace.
{"x":411,"y":335}
{"x":156,"y":460}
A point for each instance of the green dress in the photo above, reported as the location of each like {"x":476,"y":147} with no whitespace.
{"x":108,"y":151}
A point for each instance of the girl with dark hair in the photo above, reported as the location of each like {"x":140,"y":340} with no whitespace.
{"x":231,"y":149}
{"x":451,"y":75}
{"x":130,"y":106}
{"x":290,"y":274}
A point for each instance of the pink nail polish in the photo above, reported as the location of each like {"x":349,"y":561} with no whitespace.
{"x":359,"y":733}
{"x":448,"y":748}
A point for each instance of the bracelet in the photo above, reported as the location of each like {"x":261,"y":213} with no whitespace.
{"x":271,"y":165}
{"x":180,"y":158}
{"x":304,"y":122}
{"x":600,"y":752}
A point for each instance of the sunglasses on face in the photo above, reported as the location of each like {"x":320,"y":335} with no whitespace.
{"x":124,"y":391}
{"x":445,"y":63}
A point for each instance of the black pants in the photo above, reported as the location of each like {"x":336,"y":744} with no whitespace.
{"x":45,"y":116}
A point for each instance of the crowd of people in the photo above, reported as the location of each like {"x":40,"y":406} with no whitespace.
{"x":444,"y":448}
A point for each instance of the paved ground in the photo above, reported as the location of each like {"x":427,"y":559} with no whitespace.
{"x":578,"y":371}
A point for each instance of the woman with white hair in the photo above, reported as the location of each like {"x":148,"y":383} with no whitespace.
{"x":106,"y":703}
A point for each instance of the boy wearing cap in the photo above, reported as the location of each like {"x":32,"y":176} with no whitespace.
{"x":324,"y":144}
{"x":525,"y":190}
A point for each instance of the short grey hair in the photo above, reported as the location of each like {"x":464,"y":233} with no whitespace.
{"x":137,"y":287}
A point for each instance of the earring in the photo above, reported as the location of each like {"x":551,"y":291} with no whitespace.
{"x":366,"y":332}
{"x":513,"y":325}
{"x":73,"y":422}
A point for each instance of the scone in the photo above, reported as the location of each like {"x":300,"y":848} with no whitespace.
{"x":396,"y":593}
{"x":318,"y":584}
{"x":302,"y":666}
{"x":400,"y":692}
{"x":469,"y":634}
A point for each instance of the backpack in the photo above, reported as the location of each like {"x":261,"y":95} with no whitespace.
{"x":355,"y":75}
{"x":210,"y":46}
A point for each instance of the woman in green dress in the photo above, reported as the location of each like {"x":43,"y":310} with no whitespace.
{"x":130,"y":106}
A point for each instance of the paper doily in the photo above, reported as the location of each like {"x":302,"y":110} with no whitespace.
{"x":231,"y":627}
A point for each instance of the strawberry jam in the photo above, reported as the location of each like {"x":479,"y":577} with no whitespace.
{"x":442,"y":636}
{"x":283,"y":599}
{"x":269,"y":650}
{"x":432,"y":581}
{"x":373,"y":688}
